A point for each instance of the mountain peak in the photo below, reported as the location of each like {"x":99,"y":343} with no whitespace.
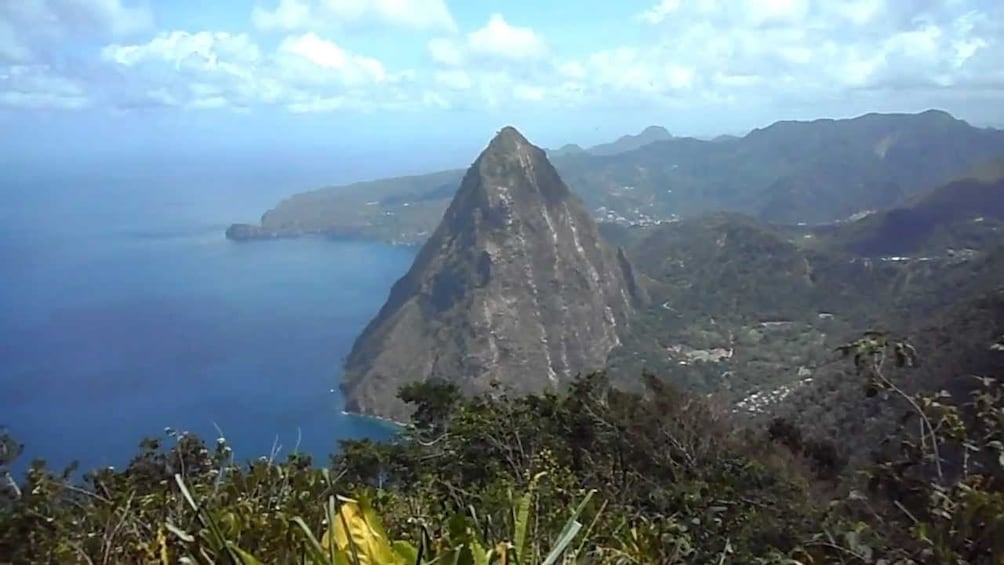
{"x":514,"y":286}
{"x":627,"y":143}
{"x":507,"y":139}
{"x":511,"y":169}
{"x":656,"y":132}
{"x":937,"y":113}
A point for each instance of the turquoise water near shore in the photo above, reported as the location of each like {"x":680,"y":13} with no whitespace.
{"x":124,"y":310}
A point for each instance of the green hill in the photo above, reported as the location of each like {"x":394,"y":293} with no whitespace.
{"x":964,"y":214}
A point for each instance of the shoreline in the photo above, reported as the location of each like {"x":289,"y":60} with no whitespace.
{"x":244,"y":233}
{"x":382,"y":419}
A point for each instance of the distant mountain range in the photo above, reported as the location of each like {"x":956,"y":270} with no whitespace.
{"x":815,"y":172}
{"x":623,"y":144}
{"x":626,"y":143}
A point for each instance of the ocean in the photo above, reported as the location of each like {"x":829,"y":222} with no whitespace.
{"x":124,"y":310}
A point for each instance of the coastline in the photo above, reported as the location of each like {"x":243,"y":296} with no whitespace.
{"x":250,"y":232}
{"x":398,"y":425}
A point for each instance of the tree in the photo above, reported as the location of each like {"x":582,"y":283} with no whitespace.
{"x":10,"y":450}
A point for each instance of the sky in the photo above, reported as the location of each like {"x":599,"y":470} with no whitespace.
{"x":415,"y":85}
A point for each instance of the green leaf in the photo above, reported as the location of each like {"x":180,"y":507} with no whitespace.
{"x":568,"y":533}
{"x":205,"y":518}
{"x":408,"y":553}
{"x":592,"y":525}
{"x":479,"y":555}
{"x":523,"y":519}
{"x":246,"y":558}
{"x":183,"y":535}
{"x":184,"y":492}
{"x":316,"y":551}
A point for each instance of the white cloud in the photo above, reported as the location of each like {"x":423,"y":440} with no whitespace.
{"x":319,"y":15}
{"x":445,"y":51}
{"x":12,"y":50}
{"x":761,"y":52}
{"x":182,"y":48}
{"x":529,"y":93}
{"x":502,"y":40}
{"x":33,"y":39}
{"x":287,"y":15}
{"x":201,"y":70}
{"x":113,"y":17}
{"x":498,"y":64}
{"x":770,"y":48}
{"x":37,"y":87}
{"x":858,"y":12}
{"x":660,"y":11}
{"x":497,"y":41}
{"x":766,"y":12}
{"x":350,"y":68}
{"x":454,"y":79}
{"x":39,"y":26}
{"x":689,"y":54}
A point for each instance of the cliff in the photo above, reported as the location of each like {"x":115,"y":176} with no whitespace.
{"x":515,"y":285}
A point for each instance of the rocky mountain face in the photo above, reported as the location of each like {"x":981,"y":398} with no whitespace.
{"x":515,"y":286}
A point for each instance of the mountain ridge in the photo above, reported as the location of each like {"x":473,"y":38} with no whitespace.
{"x":962,"y":215}
{"x":625,"y":143}
{"x":789,"y":172}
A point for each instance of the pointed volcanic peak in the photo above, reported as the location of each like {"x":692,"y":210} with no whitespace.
{"x":510,"y":176}
{"x":515,"y":286}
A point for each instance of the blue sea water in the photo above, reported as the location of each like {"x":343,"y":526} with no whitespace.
{"x":124,"y":310}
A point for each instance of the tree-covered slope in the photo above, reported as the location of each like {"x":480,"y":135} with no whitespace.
{"x":960,"y":216}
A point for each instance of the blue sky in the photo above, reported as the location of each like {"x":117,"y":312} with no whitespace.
{"x":424,"y":83}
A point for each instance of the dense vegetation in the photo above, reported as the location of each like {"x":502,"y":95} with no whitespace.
{"x":960,"y":216}
{"x":595,"y":475}
{"x":747,"y":310}
{"x":958,"y":341}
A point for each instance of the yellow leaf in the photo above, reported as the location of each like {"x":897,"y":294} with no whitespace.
{"x":165,"y":559}
{"x":358,"y":533}
{"x":502,"y":549}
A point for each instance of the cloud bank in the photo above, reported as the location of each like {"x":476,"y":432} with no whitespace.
{"x":294,"y":55}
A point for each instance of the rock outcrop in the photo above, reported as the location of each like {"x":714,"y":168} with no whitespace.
{"x":515,"y":286}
